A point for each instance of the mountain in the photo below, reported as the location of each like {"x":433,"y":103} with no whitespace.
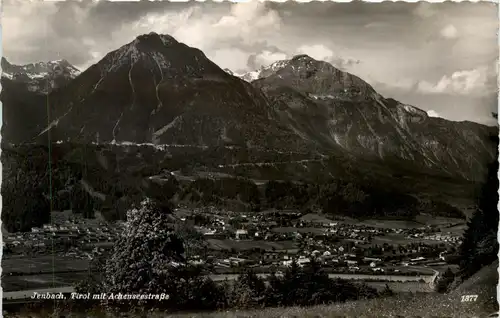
{"x":40,"y":77}
{"x":338,"y":110}
{"x":157,"y":90}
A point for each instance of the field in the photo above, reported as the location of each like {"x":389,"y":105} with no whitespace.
{"x":27,"y":282}
{"x":401,"y":239}
{"x":387,"y":224}
{"x":30,"y":267}
{"x":42,"y":264}
{"x":436,"y":220}
{"x":457,"y":229}
{"x":313,"y":217}
{"x":406,"y":287}
{"x":419,"y":221}
{"x":249,"y":244}
{"x":313,"y":230}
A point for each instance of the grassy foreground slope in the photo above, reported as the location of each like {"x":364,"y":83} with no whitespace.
{"x":428,"y":306}
{"x":484,"y":283}
{"x":400,"y":306}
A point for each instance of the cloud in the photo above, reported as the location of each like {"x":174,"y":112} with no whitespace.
{"x":432,"y":113}
{"x":465,"y":82}
{"x":265,"y":58}
{"x":377,"y":24}
{"x":316,"y":51}
{"x":424,"y":10}
{"x":228,"y":39}
{"x":449,"y":32}
{"x":79,"y":30}
{"x":245,"y":24}
{"x":234,"y":59}
{"x":323,"y":53}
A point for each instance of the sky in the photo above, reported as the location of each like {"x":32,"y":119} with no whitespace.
{"x":440,"y":57}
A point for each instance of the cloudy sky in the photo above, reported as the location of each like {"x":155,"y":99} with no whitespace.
{"x":439,"y":57}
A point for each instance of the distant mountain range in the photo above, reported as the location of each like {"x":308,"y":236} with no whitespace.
{"x":156,"y":90}
{"x":40,"y":77}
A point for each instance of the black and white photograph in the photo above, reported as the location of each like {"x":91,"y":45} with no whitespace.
{"x":249,"y":159}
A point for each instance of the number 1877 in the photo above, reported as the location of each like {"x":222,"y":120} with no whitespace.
{"x":469,"y":298}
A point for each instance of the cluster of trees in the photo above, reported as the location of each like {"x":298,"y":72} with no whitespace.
{"x":24,"y":206}
{"x":215,"y":190}
{"x":480,"y":244}
{"x":311,"y":286}
{"x":351,"y":199}
{"x":333,"y":197}
{"x":25,"y":201}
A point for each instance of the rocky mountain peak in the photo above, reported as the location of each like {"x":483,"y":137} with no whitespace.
{"x":5,"y":64}
{"x":152,"y":41}
{"x":302,"y":58}
{"x":40,"y":77}
{"x":309,"y":76}
{"x":158,"y":53}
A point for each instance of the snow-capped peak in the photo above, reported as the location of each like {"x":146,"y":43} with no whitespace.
{"x":36,"y":75}
{"x":264,"y":71}
{"x":414,"y":110}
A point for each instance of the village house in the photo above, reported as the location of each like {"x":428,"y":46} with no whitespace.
{"x":241,"y":234}
{"x":236,"y":261}
{"x":271,"y":256}
{"x":303,"y":260}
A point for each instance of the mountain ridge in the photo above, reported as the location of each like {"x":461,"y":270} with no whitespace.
{"x":157,"y":90}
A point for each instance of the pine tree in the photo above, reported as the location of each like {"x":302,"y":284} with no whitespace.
{"x":387,"y":292}
{"x":248,"y":290}
{"x":445,"y":281}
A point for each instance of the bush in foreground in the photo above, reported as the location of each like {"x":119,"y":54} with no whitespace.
{"x":145,"y":256}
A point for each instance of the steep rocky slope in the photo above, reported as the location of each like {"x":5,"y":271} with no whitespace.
{"x":336,"y":109}
{"x":24,"y":113}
